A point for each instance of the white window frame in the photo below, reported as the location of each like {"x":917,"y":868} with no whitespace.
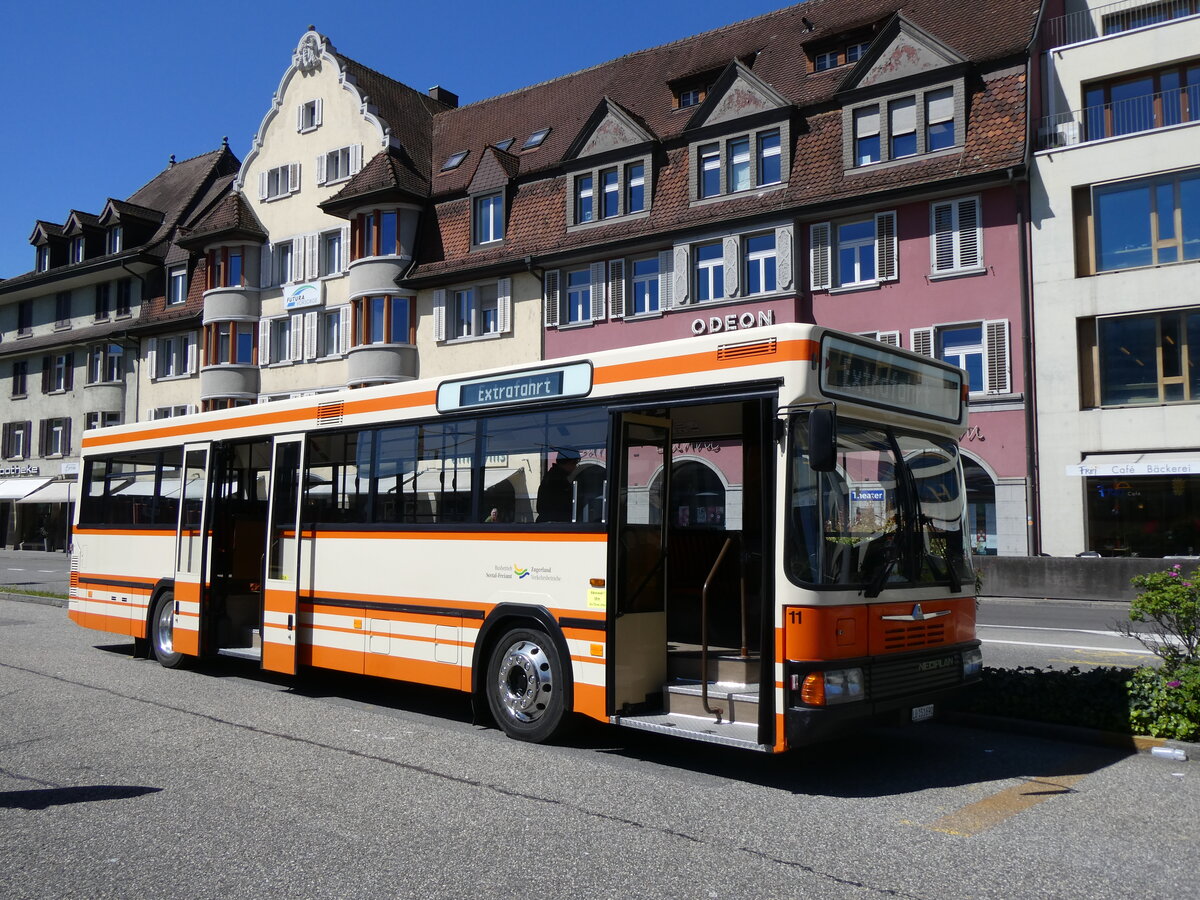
{"x":690,"y":97}
{"x":445,"y":310}
{"x":113,"y":239}
{"x":78,"y":249}
{"x":279,"y":182}
{"x":177,"y":285}
{"x":757,"y":259}
{"x":333,"y":252}
{"x":737,"y":152}
{"x":824,"y":61}
{"x":639,"y":284}
{"x":702,"y":272}
{"x":101,"y":364}
{"x":56,"y":434}
{"x":632,"y":181}
{"x":340,"y":164}
{"x":488,"y":219}
{"x":43,"y":258}
{"x":997,"y":352}
{"x":308,"y":116}
{"x":823,"y":247}
{"x":101,"y":420}
{"x":956,"y":237}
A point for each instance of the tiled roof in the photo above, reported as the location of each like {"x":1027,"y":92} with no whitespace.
{"x":233,"y":215}
{"x":773,"y":43}
{"x":994,"y":141}
{"x":125,"y":208}
{"x":387,"y":170}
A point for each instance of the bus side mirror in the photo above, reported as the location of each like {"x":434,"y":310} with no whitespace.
{"x":822,"y":440}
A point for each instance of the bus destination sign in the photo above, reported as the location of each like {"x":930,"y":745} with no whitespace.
{"x":881,"y":377}
{"x":551,"y":383}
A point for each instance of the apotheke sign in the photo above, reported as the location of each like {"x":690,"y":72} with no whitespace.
{"x":733,"y":322}
{"x":1153,"y":467}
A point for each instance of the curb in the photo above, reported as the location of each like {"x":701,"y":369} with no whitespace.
{"x":33,"y":598}
{"x":1135,"y":743}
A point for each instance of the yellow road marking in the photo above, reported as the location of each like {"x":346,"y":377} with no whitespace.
{"x":991,"y":811}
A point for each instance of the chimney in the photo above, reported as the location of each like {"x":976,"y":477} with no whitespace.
{"x":440,"y":94}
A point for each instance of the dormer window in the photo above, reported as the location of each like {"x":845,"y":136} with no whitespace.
{"x":740,"y":163}
{"x":583,"y":199}
{"x":690,"y":97}
{"x":113,"y":240}
{"x":905,"y":126}
{"x":608,"y":193}
{"x":77,"y":250}
{"x":505,"y":144}
{"x":43,"y":258}
{"x":488,"y":212}
{"x":536,"y":139}
{"x":826,"y":60}
{"x":839,"y":54}
{"x":855,"y":52}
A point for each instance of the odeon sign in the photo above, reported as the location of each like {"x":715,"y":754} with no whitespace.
{"x":733,"y":322}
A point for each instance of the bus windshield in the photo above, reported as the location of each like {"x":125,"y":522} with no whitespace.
{"x":890,"y":514}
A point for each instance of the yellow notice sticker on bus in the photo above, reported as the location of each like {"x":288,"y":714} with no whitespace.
{"x":597,"y":598}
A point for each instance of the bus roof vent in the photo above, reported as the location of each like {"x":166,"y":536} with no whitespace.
{"x":746,"y":348}
{"x":330,"y":413}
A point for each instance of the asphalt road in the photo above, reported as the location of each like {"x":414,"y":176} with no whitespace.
{"x":119,"y":778}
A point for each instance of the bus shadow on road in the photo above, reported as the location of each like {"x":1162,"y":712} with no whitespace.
{"x":876,"y":763}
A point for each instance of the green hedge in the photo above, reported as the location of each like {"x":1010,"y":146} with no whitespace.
{"x":1157,"y":702}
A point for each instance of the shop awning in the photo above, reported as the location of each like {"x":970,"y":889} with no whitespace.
{"x":54,"y":492}
{"x":1109,"y":465}
{"x":16,"y":488}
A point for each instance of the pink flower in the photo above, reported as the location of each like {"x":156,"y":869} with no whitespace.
{"x":1174,"y":684}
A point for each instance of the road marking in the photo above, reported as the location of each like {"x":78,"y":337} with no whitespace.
{"x":1042,"y":628}
{"x":991,"y":811}
{"x":1069,"y":647}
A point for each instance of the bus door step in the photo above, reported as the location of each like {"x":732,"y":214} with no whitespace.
{"x":730,"y":734}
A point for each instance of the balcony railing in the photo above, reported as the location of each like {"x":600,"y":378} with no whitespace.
{"x":1129,"y":116}
{"x":1113,"y":18}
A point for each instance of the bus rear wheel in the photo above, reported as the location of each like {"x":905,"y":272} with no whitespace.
{"x":162,"y":632}
{"x":526,"y":686}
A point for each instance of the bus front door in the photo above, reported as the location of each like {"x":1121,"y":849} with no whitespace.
{"x":193,"y":548}
{"x":639,"y":533}
{"x":281,"y":587}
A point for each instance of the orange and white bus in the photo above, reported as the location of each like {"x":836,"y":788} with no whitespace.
{"x":753,"y":538}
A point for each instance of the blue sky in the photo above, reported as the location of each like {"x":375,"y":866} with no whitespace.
{"x":99,"y":95}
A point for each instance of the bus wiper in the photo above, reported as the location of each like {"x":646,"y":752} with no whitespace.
{"x":885,"y":569}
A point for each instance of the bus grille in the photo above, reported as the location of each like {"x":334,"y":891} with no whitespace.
{"x":746,"y":348}
{"x":914,"y":674}
{"x":330,"y":413}
{"x":913,"y":635}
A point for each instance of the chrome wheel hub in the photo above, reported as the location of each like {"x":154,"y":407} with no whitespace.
{"x":525,"y":681}
{"x":164,"y":628}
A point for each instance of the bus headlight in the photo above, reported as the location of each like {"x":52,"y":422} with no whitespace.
{"x":832,"y":687}
{"x":972,"y":663}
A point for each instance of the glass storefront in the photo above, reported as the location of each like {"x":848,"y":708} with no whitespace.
{"x":1143,"y":515}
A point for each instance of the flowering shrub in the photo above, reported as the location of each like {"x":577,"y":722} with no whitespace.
{"x":1169,"y":603}
{"x":1166,"y":703}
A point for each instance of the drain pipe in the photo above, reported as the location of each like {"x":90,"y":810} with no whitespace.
{"x":1033,"y":535}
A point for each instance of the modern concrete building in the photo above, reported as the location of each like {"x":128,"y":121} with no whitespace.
{"x":74,"y":332}
{"x":1116,"y":242}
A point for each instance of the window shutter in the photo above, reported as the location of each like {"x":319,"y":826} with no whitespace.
{"x":190,"y":340}
{"x":681,"y":283}
{"x":293,"y":177}
{"x":312,"y":256}
{"x":666,"y":275}
{"x":300,"y":117}
{"x":970,"y":235}
{"x":262,"y":185}
{"x":941,"y":248}
{"x":504,"y":305}
{"x":356,"y":158}
{"x":998,"y":380}
{"x":264,"y":342}
{"x":321,"y":158}
{"x":891,"y":338}
{"x":921,"y":341}
{"x":152,"y":357}
{"x":784,"y":270}
{"x":46,"y":363}
{"x":818,"y":257}
{"x":310,"y":334}
{"x":69,"y":372}
{"x":266,"y":265}
{"x":42,"y":442}
{"x":439,"y":315}
{"x":320,"y":105}
{"x":598,"y":293}
{"x":885,"y":246}
{"x":346,"y":247}
{"x":616,"y":288}
{"x":344,"y":330}
{"x":550,"y":307}
{"x":296,"y":338}
{"x":733,"y":267}
{"x":66,"y":436}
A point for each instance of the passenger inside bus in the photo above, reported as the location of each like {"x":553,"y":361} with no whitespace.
{"x":554,"y":494}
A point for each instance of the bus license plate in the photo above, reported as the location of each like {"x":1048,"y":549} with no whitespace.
{"x":922,"y":713}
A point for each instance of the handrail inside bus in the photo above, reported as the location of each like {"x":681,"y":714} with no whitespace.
{"x":711,"y":710}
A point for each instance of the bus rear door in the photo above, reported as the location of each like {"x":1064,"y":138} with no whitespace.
{"x":281,"y":588}
{"x":193,"y":547}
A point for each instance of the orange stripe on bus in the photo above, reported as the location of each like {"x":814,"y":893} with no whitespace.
{"x":589,"y":701}
{"x":555,"y":536}
{"x":100,"y":622}
{"x":126,"y":532}
{"x":786,"y":351}
{"x":209,"y":427}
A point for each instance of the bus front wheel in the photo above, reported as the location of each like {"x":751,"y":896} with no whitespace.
{"x":526,"y":686}
{"x":162,"y":629}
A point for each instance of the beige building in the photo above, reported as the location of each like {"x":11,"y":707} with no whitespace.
{"x":1116,"y":239}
